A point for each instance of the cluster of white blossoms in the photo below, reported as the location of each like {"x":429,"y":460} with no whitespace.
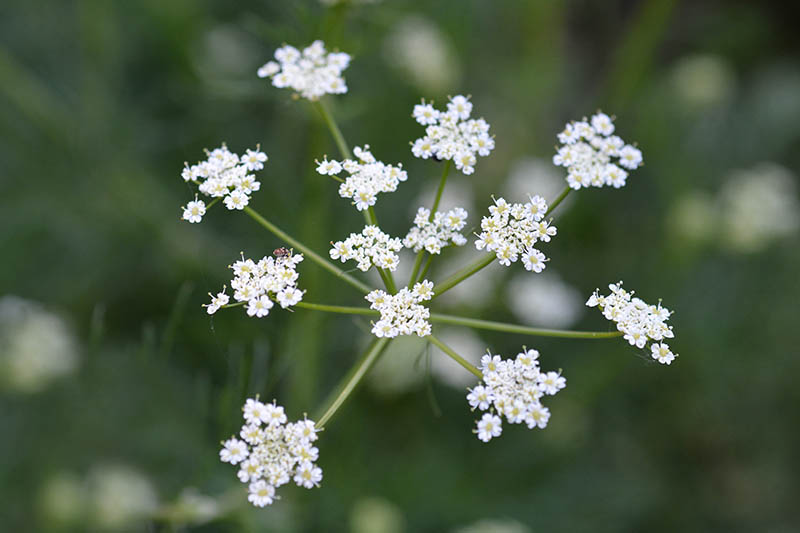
{"x":452,"y":134}
{"x":368,"y":177}
{"x":259,"y":284}
{"x":272,"y":451}
{"x":223,"y":175}
{"x":512,"y":230}
{"x":311,"y":73}
{"x":370,"y":247}
{"x":587,"y":151}
{"x":513,"y":388}
{"x":401,"y":313}
{"x":638,"y":320}
{"x":433,"y":235}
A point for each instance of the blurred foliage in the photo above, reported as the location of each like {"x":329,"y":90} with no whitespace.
{"x":102,"y":102}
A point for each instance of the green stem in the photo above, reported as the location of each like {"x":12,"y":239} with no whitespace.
{"x":558,"y":200}
{"x":417,"y":265}
{"x":321,"y":261}
{"x":453,"y":355}
{"x":351,"y":381}
{"x":427,"y":267}
{"x":388,"y":280}
{"x":344,"y":309}
{"x":463,"y":274}
{"x":334,"y":129}
{"x":525,"y":330}
{"x":440,"y":190}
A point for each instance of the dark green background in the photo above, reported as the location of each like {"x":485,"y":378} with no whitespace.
{"x":101,"y":102}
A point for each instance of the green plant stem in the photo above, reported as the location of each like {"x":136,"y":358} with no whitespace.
{"x":463,"y":274}
{"x":558,"y":200}
{"x":454,"y":356}
{"x":436,"y":201}
{"x":321,"y":261}
{"x":351,"y":381}
{"x":338,"y":138}
{"x":438,"y":318}
{"x":440,"y":190}
{"x":525,"y":330}
{"x":417,"y":265}
{"x":388,"y":280}
{"x":426,"y":267}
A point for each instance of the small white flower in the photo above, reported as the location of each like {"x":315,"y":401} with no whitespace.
{"x":259,"y":307}
{"x":662,"y":353}
{"x":367,"y":177}
{"x":233,"y":451}
{"x":308,"y":475}
{"x":489,"y":426}
{"x":312,"y":73}
{"x":261,"y":494}
{"x":194,"y":211}
{"x":401,"y":313}
{"x":371,"y":247}
{"x":452,"y":135}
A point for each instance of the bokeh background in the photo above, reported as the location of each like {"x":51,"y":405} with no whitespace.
{"x":116,"y":387}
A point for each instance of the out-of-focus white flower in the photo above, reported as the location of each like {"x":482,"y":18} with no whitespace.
{"x":376,"y":514}
{"x":475,"y":291}
{"x":703,"y":80}
{"x":120,"y":497}
{"x":418,"y":48}
{"x":311,"y":73}
{"x":544,"y":300}
{"x":36,"y":346}
{"x":190,"y":508}
{"x":758,"y":206}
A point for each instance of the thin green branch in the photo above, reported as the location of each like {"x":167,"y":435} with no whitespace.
{"x":558,"y":200}
{"x":311,"y":254}
{"x":440,"y":190}
{"x":463,"y":274}
{"x":426,"y":268}
{"x":524,"y":330}
{"x":417,"y":265}
{"x":454,"y":356}
{"x":343,"y":309}
{"x":338,"y":138}
{"x":351,"y":381}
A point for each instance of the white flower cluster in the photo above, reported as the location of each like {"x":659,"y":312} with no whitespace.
{"x":311,"y":73}
{"x":452,"y":134}
{"x":513,"y":388}
{"x":638,"y":320}
{"x":433,"y":235}
{"x":401,"y":313}
{"x":223,"y":175}
{"x":370,"y":247}
{"x":258,"y":284}
{"x":512,"y":230}
{"x":368,"y":177}
{"x":587,"y":151}
{"x":272,"y":451}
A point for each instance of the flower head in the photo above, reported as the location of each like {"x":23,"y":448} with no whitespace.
{"x":370,"y":247}
{"x":639,"y":321}
{"x":452,"y":135}
{"x":367,"y":178}
{"x":259,"y":285}
{"x":512,"y":230}
{"x":513,"y":388}
{"x":588,"y":151}
{"x":435,"y":234}
{"x":273,"y":452}
{"x":311,"y":73}
{"x":401,"y":313}
{"x":226,"y":175}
